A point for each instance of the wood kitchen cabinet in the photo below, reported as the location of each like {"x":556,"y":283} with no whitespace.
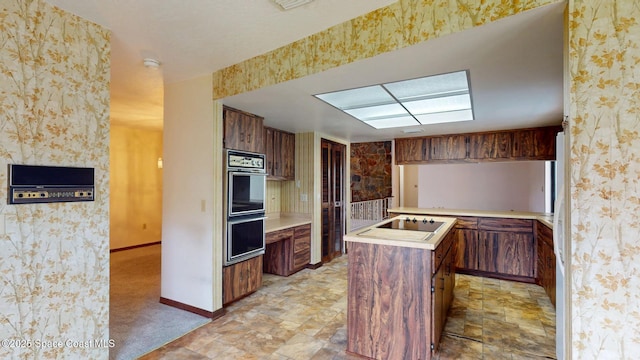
{"x":504,"y":145}
{"x":280,"y":154}
{"x":535,"y":144}
{"x":500,"y":248}
{"x":442,"y":285}
{"x":243,"y":131}
{"x":398,"y":299}
{"x":495,"y":145}
{"x":288,"y":250}
{"x":412,"y":150}
{"x":448,"y":147}
{"x":506,"y":248}
{"x":546,"y":263}
{"x":241,"y":279}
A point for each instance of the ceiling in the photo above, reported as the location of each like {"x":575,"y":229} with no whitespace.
{"x":515,"y":64}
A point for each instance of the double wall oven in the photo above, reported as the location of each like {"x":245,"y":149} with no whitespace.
{"x":245,"y":188}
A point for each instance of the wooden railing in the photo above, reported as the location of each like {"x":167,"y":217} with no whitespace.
{"x":365,"y":213}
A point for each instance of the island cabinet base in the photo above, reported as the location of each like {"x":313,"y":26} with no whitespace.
{"x":389,"y":302}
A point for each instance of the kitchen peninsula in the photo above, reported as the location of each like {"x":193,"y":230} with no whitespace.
{"x":400,"y":286}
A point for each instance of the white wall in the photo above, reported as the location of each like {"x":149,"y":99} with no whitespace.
{"x":192,"y":189}
{"x":503,"y":186}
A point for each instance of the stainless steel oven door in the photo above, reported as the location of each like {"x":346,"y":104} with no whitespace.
{"x":245,"y":239}
{"x":246,"y":193}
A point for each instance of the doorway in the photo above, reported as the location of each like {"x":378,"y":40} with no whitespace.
{"x":333,"y":190}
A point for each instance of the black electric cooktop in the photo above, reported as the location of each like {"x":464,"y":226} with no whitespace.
{"x":415,"y":224}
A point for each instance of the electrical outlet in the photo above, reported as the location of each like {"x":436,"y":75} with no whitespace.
{"x":144,"y":226}
{"x":304,"y":197}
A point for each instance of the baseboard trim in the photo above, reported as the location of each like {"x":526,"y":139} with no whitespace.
{"x":135,"y":246}
{"x":314,"y":266}
{"x":176,"y":304}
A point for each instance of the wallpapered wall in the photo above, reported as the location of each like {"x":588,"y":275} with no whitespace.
{"x":54,"y":110}
{"x":604,"y":141}
{"x":604,"y":45}
{"x":370,"y":170}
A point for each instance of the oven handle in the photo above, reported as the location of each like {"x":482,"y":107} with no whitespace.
{"x":248,"y":173}
{"x":244,"y":220}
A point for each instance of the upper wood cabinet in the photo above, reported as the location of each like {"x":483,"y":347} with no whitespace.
{"x":495,"y":145}
{"x":243,"y":131}
{"x":535,"y":144}
{"x":280,"y":154}
{"x":506,"y":145}
{"x":449,"y":147}
{"x":412,"y":150}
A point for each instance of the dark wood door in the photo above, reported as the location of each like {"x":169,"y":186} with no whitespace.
{"x":333,"y":159}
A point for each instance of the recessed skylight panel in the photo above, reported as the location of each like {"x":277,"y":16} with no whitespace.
{"x":377,"y":112}
{"x":391,"y":122}
{"x":355,"y":98}
{"x":428,"y":100}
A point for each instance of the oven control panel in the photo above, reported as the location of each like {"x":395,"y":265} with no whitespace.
{"x":251,"y":162}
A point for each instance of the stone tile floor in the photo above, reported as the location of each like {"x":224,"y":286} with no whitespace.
{"x":303,"y":316}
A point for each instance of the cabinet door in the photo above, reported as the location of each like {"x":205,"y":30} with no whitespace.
{"x":506,"y":253}
{"x":437,"y":305}
{"x":253,"y":274}
{"x":490,"y":145}
{"x":535,"y":144}
{"x":288,"y":155}
{"x":450,"y":147}
{"x":466,"y":254}
{"x":449,"y":282}
{"x":234,"y":282}
{"x":243,"y":131}
{"x":411,"y":150}
{"x":269,"y":150}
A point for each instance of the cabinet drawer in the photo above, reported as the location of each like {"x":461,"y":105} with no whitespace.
{"x":511,"y":225}
{"x":275,"y":236}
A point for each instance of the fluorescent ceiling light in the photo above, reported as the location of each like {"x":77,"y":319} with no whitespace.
{"x":428,"y":100}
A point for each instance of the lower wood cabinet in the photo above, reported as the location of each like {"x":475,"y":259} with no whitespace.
{"x":546,"y":270}
{"x":500,"y":248}
{"x":393,"y":306}
{"x":241,"y":279}
{"x":288,"y":250}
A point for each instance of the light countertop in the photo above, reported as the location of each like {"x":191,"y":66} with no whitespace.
{"x":545,"y":218}
{"x":281,"y":222}
{"x":404,"y":238}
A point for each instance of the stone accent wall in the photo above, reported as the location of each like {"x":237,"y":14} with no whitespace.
{"x":370,"y":170}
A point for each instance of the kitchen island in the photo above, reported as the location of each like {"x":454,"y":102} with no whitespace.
{"x":400,"y":286}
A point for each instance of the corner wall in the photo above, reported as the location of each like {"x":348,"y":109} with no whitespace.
{"x":54,"y":110}
{"x":192,"y":196}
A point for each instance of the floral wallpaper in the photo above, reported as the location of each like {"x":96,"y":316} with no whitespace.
{"x":604,"y":45}
{"x":401,"y":24}
{"x":54,"y":110}
{"x":604,"y":135}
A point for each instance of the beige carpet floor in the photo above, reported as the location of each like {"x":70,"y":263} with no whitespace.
{"x":137,"y":321}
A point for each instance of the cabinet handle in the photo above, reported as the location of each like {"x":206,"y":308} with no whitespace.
{"x":242,"y":136}
{"x":248,"y":138}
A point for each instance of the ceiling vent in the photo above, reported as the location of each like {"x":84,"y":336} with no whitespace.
{"x":290,"y":4}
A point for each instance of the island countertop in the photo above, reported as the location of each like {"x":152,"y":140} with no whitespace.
{"x":404,"y":238}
